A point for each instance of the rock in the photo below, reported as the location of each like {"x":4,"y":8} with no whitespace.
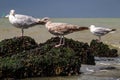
{"x":80,"y":49}
{"x":22,"y":57}
{"x":102,"y":50}
{"x":43,"y":59}
{"x":16,"y":45}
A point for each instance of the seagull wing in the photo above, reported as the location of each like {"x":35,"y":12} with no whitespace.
{"x":101,"y":31}
{"x":25,"y":20}
{"x":65,"y":28}
{"x":59,"y":28}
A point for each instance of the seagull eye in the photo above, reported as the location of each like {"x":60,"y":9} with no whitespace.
{"x":45,"y":19}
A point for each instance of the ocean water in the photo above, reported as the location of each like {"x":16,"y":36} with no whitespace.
{"x":40,"y":34}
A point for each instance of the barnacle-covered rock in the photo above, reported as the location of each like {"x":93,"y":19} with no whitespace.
{"x":16,"y":45}
{"x":102,"y":50}
{"x":45,"y":59}
{"x":22,"y":57}
{"x":80,"y":49}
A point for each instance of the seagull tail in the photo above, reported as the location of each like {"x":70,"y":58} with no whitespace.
{"x":83,"y":28}
{"x":113,"y":30}
{"x":74,"y":29}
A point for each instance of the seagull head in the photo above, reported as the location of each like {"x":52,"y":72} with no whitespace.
{"x":12,"y":12}
{"x":92,"y":26}
{"x":45,"y":19}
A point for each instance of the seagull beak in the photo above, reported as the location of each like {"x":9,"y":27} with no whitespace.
{"x":42,"y":22}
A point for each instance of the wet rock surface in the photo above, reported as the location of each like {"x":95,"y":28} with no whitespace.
{"x":16,"y":45}
{"x":22,"y":57}
{"x":102,"y":50}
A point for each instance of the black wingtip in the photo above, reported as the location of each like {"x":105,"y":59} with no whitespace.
{"x":113,"y":29}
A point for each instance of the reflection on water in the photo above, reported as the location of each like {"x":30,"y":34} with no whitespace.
{"x":105,"y":69}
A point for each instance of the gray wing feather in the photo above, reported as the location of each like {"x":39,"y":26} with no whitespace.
{"x":102,"y":31}
{"x":25,"y":20}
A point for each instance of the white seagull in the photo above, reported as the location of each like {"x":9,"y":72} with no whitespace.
{"x":22,"y":21}
{"x":100,"y":31}
{"x":61,"y":29}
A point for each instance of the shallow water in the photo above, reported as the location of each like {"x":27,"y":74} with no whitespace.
{"x":40,"y":34}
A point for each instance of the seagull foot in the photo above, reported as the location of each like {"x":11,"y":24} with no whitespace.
{"x":98,"y":40}
{"x":57,"y":45}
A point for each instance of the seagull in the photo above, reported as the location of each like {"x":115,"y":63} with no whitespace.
{"x":61,"y":29}
{"x":22,"y":21}
{"x":100,"y":31}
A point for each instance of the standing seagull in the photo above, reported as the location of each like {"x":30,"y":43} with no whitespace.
{"x":61,"y":29}
{"x":22,"y":21}
{"x":100,"y":31}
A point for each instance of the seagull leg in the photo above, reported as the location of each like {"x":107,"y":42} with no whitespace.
{"x":60,"y":40}
{"x":63,"y":40}
{"x":60,"y":43}
{"x":99,"y":38}
{"x":22,"y":31}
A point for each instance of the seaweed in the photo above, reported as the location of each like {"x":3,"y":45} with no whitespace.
{"x":16,"y":45}
{"x":102,"y":50}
